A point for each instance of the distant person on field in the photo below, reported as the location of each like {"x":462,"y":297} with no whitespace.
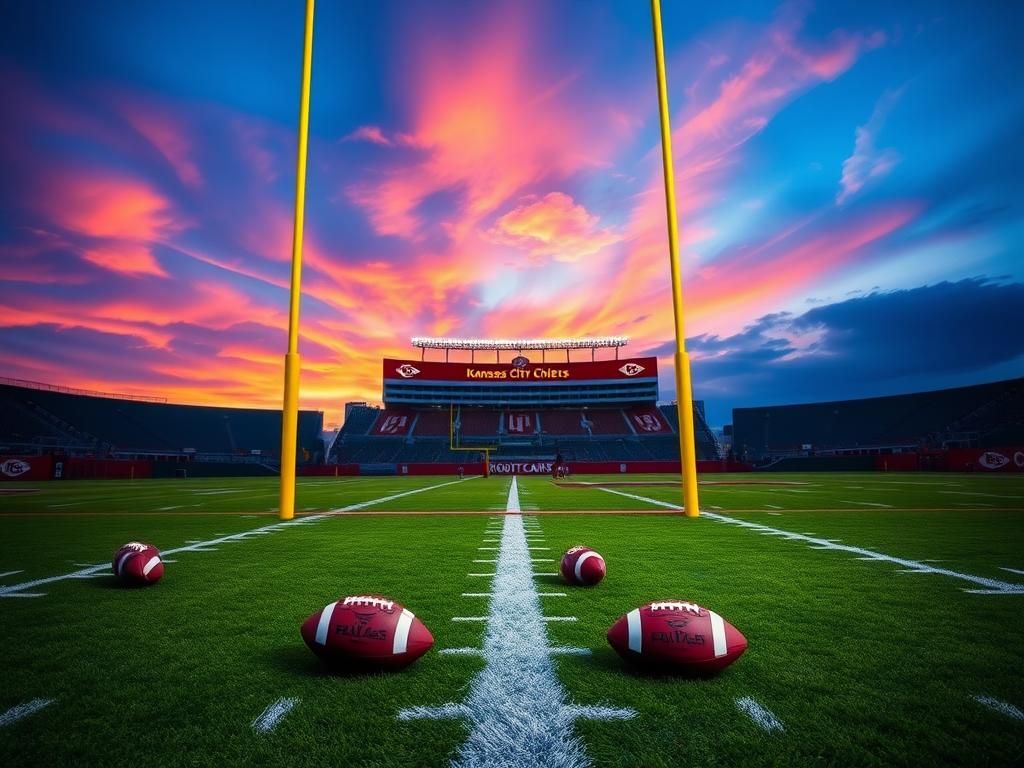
{"x":462,"y":473}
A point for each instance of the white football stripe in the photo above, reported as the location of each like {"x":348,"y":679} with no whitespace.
{"x":718,"y":634}
{"x":582,"y":559}
{"x":402,"y":632}
{"x":122,"y":560}
{"x":635,"y":633}
{"x":325,"y":623}
{"x":153,"y":563}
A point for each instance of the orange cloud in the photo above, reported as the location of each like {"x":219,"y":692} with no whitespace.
{"x":553,"y":226}
{"x":125,"y":257}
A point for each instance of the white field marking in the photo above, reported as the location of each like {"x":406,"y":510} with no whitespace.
{"x":24,"y":594}
{"x":557,"y":650}
{"x":713,"y":507}
{"x":777,"y":514}
{"x":547,"y":574}
{"x":10,"y":573}
{"x":763,"y":718}
{"x":539,"y":549}
{"x":854,"y":487}
{"x":488,"y":549}
{"x":193,"y":541}
{"x":201,"y":545}
{"x":992,"y":586}
{"x":480,"y":574}
{"x":273,"y":714}
{"x":168,"y":509}
{"x":14,"y":714}
{"x":866,"y":503}
{"x":978,"y":493}
{"x":972,"y":505}
{"x":69,"y":504}
{"x":1000,"y":706}
{"x":1011,"y":570}
{"x":772,"y":506}
{"x":518,"y":712}
{"x":492,"y":560}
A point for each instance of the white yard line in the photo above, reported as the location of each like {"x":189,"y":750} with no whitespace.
{"x":14,"y":714}
{"x":1013,"y":570}
{"x":10,"y":573}
{"x":978,"y":493}
{"x":866,"y":503}
{"x":273,"y":714}
{"x":1001,"y":707}
{"x":205,"y":546}
{"x":991,"y":586}
{"x":763,"y":718}
{"x":517,"y":710}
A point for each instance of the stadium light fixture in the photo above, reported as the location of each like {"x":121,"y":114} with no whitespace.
{"x":597,"y":342}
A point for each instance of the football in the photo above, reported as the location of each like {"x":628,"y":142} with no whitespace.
{"x":582,"y":565}
{"x":366,"y":630}
{"x":137,"y":563}
{"x":677,"y":636}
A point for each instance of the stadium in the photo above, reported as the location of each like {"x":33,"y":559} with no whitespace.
{"x":818,"y":559}
{"x":517,"y":500}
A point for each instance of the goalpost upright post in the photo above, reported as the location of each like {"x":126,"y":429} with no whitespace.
{"x":684,"y":387}
{"x":290,"y":411}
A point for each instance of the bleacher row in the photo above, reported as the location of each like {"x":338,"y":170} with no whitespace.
{"x":37,"y":420}
{"x":408,"y":435}
{"x":985,"y":415}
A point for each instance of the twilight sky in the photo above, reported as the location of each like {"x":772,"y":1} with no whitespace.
{"x":851,"y":178}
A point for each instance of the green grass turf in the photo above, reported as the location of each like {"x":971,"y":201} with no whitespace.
{"x":864,"y":665}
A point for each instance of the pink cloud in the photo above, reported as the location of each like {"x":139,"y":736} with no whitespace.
{"x":868,"y":163}
{"x":555,"y":226}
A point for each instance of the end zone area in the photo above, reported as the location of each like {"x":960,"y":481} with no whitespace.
{"x":857,"y":661}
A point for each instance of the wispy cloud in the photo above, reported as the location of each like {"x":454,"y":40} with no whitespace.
{"x":868,"y":162}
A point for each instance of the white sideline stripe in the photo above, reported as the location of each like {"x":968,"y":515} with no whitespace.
{"x":10,"y":573}
{"x":14,"y":714}
{"x":1011,"y":570}
{"x":992,"y":586}
{"x":30,"y":594}
{"x":763,"y":718}
{"x":517,"y":710}
{"x":866,"y":503}
{"x":272,"y":715}
{"x":1000,"y":706}
{"x":324,"y":623}
{"x":196,"y":545}
{"x":401,"y":643}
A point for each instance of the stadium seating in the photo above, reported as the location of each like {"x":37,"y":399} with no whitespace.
{"x":74,"y":423}
{"x":987,"y":415}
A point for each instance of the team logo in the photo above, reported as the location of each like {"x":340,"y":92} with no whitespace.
{"x":15,"y":467}
{"x":631,"y":369}
{"x":392,"y":425}
{"x":993,"y":460}
{"x":647,"y":422}
{"x":520,"y":362}
{"x":407,"y":371}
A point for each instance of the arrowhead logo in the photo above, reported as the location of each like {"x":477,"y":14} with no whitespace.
{"x":406,"y":371}
{"x":631,"y":369}
{"x":993,"y":460}
{"x":14,"y":467}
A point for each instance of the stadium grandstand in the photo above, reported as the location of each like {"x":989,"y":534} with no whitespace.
{"x":37,"y":419}
{"x":535,"y":405}
{"x":984,"y":416}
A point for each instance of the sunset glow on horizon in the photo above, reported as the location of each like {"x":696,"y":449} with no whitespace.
{"x":493,"y":170}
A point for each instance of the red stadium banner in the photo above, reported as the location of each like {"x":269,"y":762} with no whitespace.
{"x":982,"y":460}
{"x":422,"y":370}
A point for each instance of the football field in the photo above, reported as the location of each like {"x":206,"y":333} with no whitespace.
{"x":884,"y":615}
